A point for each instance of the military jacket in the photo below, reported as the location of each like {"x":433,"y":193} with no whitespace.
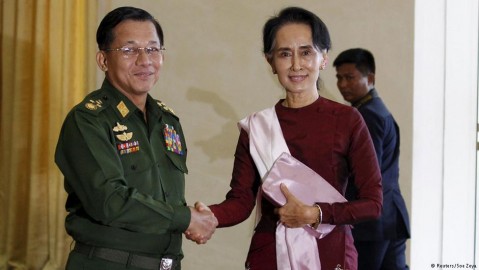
{"x":124,"y":176}
{"x":393,"y":223}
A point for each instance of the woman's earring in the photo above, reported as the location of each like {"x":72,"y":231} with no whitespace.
{"x":323,"y":65}
{"x":324,"y":62}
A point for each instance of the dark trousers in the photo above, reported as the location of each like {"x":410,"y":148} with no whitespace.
{"x":382,"y":255}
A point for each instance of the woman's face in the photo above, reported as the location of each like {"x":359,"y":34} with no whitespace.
{"x":295,"y":59}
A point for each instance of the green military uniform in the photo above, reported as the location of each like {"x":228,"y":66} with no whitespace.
{"x":124,"y":175}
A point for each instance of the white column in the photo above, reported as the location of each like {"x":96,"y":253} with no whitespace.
{"x":460,"y":120}
{"x":428,"y":134}
{"x":444,"y":136}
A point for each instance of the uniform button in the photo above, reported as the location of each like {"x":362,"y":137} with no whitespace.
{"x":105,"y":98}
{"x":133,"y":167}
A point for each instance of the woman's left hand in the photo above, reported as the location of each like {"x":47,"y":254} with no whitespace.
{"x":295,"y":213}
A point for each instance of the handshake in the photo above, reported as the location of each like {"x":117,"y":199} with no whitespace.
{"x":202,"y":224}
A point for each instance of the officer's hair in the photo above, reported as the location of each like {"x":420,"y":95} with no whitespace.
{"x":105,"y":35}
{"x":361,"y":58}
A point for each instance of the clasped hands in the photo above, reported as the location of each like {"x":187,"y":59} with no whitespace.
{"x":293,"y":214}
{"x":202,"y":224}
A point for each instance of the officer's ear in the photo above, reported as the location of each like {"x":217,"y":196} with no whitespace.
{"x":371,"y":79}
{"x":101,"y":60}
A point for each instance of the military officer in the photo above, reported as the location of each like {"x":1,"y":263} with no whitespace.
{"x":123,"y":156}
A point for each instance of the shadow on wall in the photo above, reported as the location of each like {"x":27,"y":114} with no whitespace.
{"x":213,"y":146}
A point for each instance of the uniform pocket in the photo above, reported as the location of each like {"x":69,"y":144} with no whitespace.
{"x":134,"y":163}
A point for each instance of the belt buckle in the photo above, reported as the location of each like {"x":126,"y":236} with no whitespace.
{"x":166,"y":264}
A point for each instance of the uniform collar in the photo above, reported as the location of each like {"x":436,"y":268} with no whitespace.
{"x":123,"y":106}
{"x":369,"y":96}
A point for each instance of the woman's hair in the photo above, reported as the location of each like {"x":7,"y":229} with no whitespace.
{"x":105,"y":35}
{"x":321,"y":39}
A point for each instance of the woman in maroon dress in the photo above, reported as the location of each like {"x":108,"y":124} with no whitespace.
{"x":328,"y":137}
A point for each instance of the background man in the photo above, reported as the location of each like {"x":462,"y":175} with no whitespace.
{"x":381,"y":244}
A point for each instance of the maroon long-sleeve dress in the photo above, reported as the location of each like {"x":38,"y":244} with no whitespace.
{"x":331,"y":139}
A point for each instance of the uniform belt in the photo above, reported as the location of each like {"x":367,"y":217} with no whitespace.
{"x":125,"y":257}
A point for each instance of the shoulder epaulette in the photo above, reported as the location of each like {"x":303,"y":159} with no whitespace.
{"x":165,"y":108}
{"x":93,"y":103}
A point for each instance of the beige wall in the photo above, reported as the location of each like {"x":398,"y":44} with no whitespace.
{"x":215,"y":74}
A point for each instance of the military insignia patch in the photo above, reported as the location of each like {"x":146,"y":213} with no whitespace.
{"x":128,"y":147}
{"x":93,"y":104}
{"x":119,"y":127}
{"x":172,"y":140}
{"x":122,"y":109}
{"x":124,"y":136}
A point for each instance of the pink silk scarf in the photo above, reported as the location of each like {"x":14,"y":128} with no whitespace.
{"x":296,"y":248}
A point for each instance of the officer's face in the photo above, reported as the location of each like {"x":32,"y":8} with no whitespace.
{"x":352,"y":84}
{"x":134,"y":75}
